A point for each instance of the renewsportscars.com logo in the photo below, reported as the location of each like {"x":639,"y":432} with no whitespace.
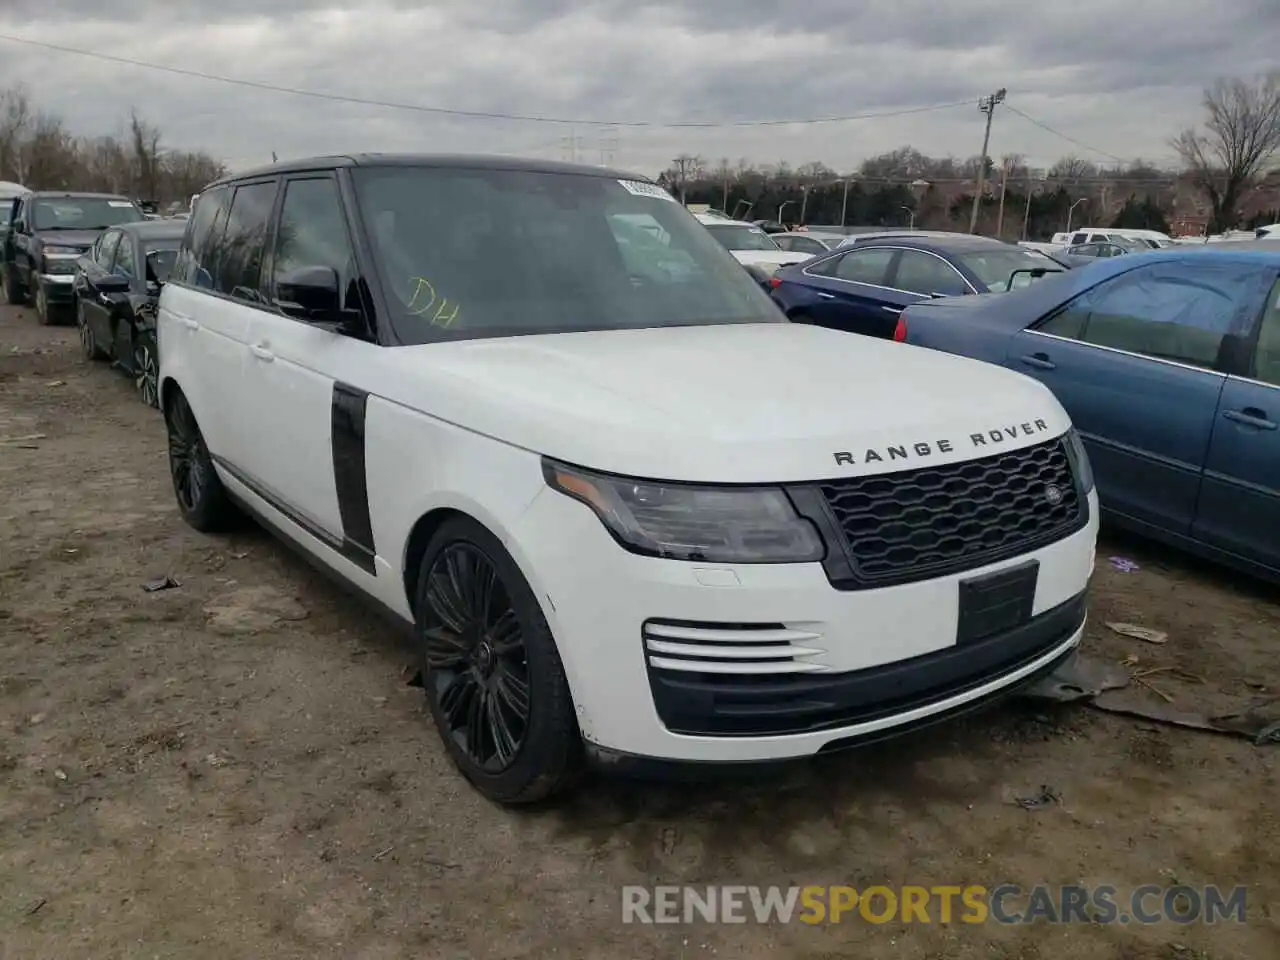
{"x":974,"y":904}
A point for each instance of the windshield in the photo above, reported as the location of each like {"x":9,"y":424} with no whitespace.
{"x":994,"y":268}
{"x":82,"y":213}
{"x":466,"y":253}
{"x":741,"y":237}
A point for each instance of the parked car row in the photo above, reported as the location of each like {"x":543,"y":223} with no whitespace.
{"x":99,"y":258}
{"x":633,"y":516}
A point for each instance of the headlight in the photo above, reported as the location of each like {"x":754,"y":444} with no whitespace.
{"x":692,"y":522}
{"x":1080,"y":460}
{"x":61,"y":252}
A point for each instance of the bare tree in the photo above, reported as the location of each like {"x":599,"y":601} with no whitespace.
{"x":146,"y":154}
{"x":1072,"y":167}
{"x":1241,"y":134}
{"x":37,"y":149}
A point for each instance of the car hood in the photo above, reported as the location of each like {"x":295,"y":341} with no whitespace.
{"x":749,"y":403}
{"x":68,"y":238}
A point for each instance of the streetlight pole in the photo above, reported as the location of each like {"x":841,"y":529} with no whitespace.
{"x":804,"y":203}
{"x":988,"y":106}
{"x":782,"y":206}
{"x":911,"y":224}
{"x":844,"y":203}
{"x":1071,"y":210}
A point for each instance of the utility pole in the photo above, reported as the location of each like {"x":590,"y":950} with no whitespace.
{"x":1004,"y":186}
{"x":682,"y":164}
{"x":844,"y":203}
{"x":988,"y":106}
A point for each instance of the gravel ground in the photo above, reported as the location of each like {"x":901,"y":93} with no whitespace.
{"x":236,"y":767}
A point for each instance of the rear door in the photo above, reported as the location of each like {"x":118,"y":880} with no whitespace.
{"x":851,"y":292}
{"x":1136,"y":362}
{"x":1240,"y":502}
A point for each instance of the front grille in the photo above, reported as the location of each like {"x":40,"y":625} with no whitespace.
{"x":935,"y":521}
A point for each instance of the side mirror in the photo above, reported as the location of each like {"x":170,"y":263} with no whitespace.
{"x":112,"y":283}
{"x":310,"y":294}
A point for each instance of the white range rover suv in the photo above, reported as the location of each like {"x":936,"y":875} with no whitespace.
{"x":629,"y":511}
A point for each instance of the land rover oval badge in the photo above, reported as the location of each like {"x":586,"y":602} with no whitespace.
{"x":1053,"y":494}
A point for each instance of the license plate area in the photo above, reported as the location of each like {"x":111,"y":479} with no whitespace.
{"x":997,"y":602}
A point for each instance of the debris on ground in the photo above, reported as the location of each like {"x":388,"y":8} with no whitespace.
{"x":252,"y":609}
{"x":1046,"y":797}
{"x":1136,"y":632}
{"x":23,"y":440}
{"x":1258,"y":722}
{"x":1078,"y":678}
{"x":155,"y":586}
{"x":1124,"y":564}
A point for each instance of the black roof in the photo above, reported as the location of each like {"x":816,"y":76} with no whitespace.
{"x":156,"y":229}
{"x":441,"y":160}
{"x":76,"y":195}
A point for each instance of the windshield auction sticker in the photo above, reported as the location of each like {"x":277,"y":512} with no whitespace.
{"x":642,"y":189}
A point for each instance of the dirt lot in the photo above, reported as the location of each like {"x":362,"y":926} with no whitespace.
{"x":175,"y":783}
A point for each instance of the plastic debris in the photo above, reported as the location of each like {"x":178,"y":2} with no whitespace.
{"x":1047,"y":797}
{"x":155,"y":586}
{"x":1138,"y":633}
{"x":1124,"y":564}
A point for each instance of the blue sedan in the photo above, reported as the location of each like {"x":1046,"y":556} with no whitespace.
{"x":862,"y":287}
{"x":1169,"y":364}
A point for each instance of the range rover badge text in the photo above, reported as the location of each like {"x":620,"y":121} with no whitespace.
{"x":927,"y":448}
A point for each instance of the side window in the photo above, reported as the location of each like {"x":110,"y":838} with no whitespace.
{"x":203,"y":231}
{"x":866,"y":266}
{"x":925,"y":274}
{"x":1266,"y":362}
{"x":107,"y":249}
{"x":313,"y":233}
{"x":237,"y":266}
{"x":1080,"y":238}
{"x":125,"y":265}
{"x":1170,"y":311}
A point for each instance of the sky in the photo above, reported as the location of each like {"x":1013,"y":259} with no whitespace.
{"x":1117,"y":78}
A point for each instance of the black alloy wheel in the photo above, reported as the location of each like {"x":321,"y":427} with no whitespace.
{"x":146,"y":371}
{"x":476,"y":657}
{"x":493,"y":679}
{"x":202,"y":500}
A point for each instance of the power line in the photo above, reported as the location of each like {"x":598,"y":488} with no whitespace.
{"x":474,"y":114}
{"x":1058,"y":133}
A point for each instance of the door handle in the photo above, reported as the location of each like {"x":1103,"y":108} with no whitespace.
{"x":893,"y":310}
{"x":262,"y":353}
{"x":826,"y":296}
{"x":1040,"y":361}
{"x":1251,"y":417}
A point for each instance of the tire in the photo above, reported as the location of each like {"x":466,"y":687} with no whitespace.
{"x":466,"y":671}
{"x":146,"y":369}
{"x":42,"y":306}
{"x":14,"y":295}
{"x":202,"y":500}
{"x":88,"y":342}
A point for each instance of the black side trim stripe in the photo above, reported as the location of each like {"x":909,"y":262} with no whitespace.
{"x":348,"y":466}
{"x":346,"y":548}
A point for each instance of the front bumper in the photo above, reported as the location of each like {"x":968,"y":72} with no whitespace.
{"x":868,"y":663}
{"x":57,"y":288}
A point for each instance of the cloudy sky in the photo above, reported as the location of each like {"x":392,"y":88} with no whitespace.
{"x":1119,"y":77}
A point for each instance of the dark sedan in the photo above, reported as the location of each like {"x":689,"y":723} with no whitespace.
{"x":116,"y":287}
{"x":863,"y":287}
{"x":1169,"y":365}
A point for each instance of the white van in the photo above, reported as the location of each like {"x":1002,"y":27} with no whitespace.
{"x":629,"y":514}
